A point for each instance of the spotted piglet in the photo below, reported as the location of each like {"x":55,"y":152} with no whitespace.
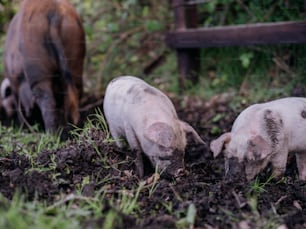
{"x":146,"y":118}
{"x":265,"y":133}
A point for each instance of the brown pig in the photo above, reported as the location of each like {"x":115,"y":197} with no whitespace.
{"x":146,"y":118}
{"x":265,"y":133}
{"x":44,"y":53}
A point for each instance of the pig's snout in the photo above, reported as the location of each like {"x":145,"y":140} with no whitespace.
{"x":234,"y":169}
{"x":175,"y":168}
{"x":172,"y":173}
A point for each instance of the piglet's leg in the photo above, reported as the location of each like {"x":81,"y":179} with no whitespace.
{"x":139,"y":164}
{"x":116,"y":136}
{"x":301,"y":164}
{"x":279,"y":161}
{"x":134,"y":145}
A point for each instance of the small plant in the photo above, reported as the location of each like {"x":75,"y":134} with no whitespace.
{"x":258,"y":187}
{"x":128,"y":201}
{"x":94,"y":130}
{"x":154,"y":184}
{"x":21,"y":214}
{"x":189,"y":220}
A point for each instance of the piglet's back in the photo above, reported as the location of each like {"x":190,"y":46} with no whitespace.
{"x":127,"y":92}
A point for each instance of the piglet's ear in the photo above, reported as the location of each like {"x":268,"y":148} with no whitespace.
{"x":258,"y":148}
{"x":216,"y":146}
{"x":160,"y":133}
{"x":188,"y":129}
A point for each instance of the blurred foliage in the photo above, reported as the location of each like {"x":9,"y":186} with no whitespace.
{"x":123,"y":37}
{"x":7,"y":11}
{"x":126,"y":37}
{"x":257,"y":72}
{"x":229,"y":12}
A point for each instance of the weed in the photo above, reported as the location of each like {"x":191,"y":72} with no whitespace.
{"x":189,"y":220}
{"x":111,"y":219}
{"x":154,"y":185}
{"x":21,"y":214}
{"x":258,"y":187}
{"x":128,"y":203}
{"x":168,"y":206}
{"x":94,"y":130}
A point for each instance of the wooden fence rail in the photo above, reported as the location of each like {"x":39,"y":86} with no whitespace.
{"x":187,"y":39}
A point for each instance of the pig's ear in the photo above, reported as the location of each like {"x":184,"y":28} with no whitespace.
{"x":188,"y":129}
{"x":160,"y":133}
{"x":258,"y":148}
{"x":216,"y":146}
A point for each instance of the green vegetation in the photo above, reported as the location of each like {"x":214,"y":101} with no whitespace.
{"x":126,"y":37}
{"x":25,"y":143}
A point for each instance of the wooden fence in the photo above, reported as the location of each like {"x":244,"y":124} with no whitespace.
{"x":187,"y":39}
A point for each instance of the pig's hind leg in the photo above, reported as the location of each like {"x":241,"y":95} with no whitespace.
{"x":44,"y":97}
{"x":301,"y":164}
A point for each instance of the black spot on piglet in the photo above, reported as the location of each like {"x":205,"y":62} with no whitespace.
{"x":303,"y":113}
{"x":273,"y":126}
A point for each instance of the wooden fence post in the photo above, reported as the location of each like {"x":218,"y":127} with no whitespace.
{"x":188,"y":59}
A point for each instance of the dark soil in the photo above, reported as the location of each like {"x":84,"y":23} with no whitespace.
{"x":220,"y":203}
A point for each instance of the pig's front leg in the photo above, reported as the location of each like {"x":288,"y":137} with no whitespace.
{"x":135,"y":146}
{"x":139,"y":163}
{"x":116,"y":136}
{"x":279,"y":162}
{"x":301,"y":164}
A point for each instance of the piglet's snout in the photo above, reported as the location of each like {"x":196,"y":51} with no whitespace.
{"x":176,"y":167}
{"x":234,"y":169}
{"x":174,"y":172}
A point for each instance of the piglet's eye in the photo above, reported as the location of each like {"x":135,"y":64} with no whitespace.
{"x":165,"y":149}
{"x":251,"y":143}
{"x":165,"y":158}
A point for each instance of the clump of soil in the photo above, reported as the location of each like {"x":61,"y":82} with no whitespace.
{"x":220,"y":203}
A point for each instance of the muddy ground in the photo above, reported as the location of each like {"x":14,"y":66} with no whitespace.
{"x":219,"y":203}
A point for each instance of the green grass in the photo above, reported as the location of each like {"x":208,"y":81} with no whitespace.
{"x":26,"y":143}
{"x":20,"y":214}
{"x":70,"y":211}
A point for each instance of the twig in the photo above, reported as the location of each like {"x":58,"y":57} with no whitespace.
{"x":23,"y":119}
{"x":240,"y":204}
{"x":121,"y":39}
{"x":280,"y":200}
{"x":224,"y":14}
{"x":176,"y":193}
{"x":270,"y":12}
{"x":155,"y":63}
{"x":282,"y":65}
{"x":4,"y":159}
{"x":246,"y":9}
{"x":92,"y":105}
{"x":67,"y":199}
{"x":195,"y":2}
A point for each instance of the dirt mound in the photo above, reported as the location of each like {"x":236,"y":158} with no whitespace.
{"x":90,"y":163}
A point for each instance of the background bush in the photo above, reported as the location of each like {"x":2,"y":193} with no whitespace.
{"x":127,"y":37}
